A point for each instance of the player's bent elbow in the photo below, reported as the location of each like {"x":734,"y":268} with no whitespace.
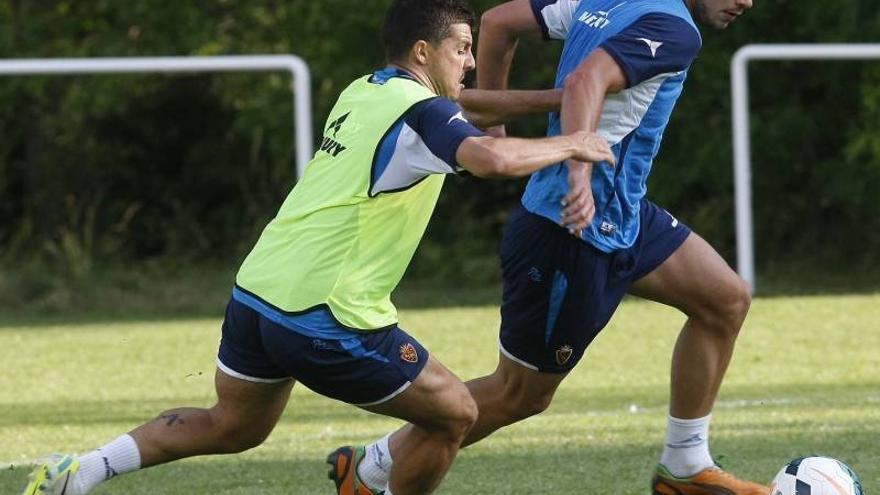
{"x":487,"y":163}
{"x":497,"y":166}
{"x":491,"y":19}
{"x":576,"y":81}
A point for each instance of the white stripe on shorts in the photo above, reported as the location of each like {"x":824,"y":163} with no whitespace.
{"x":387,"y":397}
{"x":234,"y":374}
{"x":514,"y":358}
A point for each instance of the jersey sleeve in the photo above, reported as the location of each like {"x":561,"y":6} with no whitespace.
{"x":442,"y":127}
{"x":655,"y":44}
{"x":554,"y":17}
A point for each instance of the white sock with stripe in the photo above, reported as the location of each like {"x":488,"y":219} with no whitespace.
{"x":687,"y":446}
{"x":117,"y":457}
{"x":374,"y":469}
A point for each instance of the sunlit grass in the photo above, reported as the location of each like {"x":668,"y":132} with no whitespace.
{"x":805,"y":379}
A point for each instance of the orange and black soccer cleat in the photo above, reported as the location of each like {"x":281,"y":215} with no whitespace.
{"x":343,"y":471}
{"x":710,"y":481}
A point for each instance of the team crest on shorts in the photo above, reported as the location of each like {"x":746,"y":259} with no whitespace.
{"x":408,"y":353}
{"x":563,"y":354}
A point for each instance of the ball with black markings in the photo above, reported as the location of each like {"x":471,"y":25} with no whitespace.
{"x":816,"y":476}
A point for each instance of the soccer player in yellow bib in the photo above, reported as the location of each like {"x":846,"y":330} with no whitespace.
{"x":312,"y":301}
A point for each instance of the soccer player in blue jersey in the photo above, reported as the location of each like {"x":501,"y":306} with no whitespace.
{"x":621,"y":72}
{"x":312,"y":304}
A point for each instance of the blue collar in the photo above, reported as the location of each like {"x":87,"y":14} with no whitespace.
{"x":384,"y":75}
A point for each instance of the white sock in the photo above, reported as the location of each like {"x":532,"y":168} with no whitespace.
{"x":117,"y":457}
{"x":375,"y":468}
{"x":687,"y":446}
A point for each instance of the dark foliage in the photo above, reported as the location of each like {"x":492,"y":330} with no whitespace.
{"x":131,"y":168}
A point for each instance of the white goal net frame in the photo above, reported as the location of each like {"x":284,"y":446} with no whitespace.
{"x":301,"y":87}
{"x":742,"y":148}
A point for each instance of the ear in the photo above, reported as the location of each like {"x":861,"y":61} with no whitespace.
{"x":419,"y":52}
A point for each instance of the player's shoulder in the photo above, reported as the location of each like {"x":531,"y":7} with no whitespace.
{"x":664,"y":24}
{"x":666,"y":16}
{"x":673,"y":30}
{"x":435,"y":111}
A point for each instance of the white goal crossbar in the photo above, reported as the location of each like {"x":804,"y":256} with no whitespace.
{"x":741,"y":139}
{"x":302,"y":96}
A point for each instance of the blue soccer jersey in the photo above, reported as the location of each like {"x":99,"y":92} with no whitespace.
{"x":654,"y":42}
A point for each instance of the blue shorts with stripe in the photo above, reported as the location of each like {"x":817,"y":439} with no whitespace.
{"x":262,"y":344}
{"x":559,"y":291}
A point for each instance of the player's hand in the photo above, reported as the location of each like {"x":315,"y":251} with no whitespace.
{"x":578,"y":206}
{"x":592,"y":148}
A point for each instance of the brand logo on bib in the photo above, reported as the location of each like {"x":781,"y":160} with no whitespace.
{"x":330,"y":145}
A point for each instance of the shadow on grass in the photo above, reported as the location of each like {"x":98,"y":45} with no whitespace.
{"x":307,"y":407}
{"x":569,"y":466}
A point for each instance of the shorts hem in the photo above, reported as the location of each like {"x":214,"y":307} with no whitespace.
{"x":387,"y":397}
{"x":516,"y":359}
{"x":241,"y":376}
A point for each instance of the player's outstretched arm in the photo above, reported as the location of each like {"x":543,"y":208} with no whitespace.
{"x":500,"y":30}
{"x":487,"y":108}
{"x":490,"y":157}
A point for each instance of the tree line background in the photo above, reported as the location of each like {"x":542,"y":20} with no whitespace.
{"x":128,"y":171}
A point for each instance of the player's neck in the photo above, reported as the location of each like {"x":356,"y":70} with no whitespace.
{"x":420,"y":76}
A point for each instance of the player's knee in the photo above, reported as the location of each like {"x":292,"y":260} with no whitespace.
{"x":463,"y":416}
{"x":727,"y":310}
{"x":469,"y":414}
{"x":737,"y":303}
{"x":532,"y":405}
{"x":522,"y":403}
{"x":240,"y":439}
{"x":233,"y":435}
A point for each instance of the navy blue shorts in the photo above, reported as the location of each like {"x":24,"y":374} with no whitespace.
{"x":366,"y":368}
{"x":559,"y":292}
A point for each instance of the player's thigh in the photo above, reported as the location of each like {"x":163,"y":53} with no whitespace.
{"x":250,"y":405}
{"x":251,"y":390}
{"x":523,"y":386}
{"x":359,"y":368}
{"x":435,"y":398}
{"x":694,"y":276}
{"x":559,"y":292}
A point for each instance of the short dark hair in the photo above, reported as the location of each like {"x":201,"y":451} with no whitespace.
{"x":408,"y":21}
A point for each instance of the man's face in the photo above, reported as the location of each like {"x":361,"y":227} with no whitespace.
{"x":720,"y":13}
{"x":450,"y":60}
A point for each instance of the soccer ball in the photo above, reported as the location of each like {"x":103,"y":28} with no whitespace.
{"x":816,"y":476}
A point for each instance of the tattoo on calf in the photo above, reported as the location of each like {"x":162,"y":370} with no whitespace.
{"x":171,"y":419}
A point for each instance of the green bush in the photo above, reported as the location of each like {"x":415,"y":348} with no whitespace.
{"x":95,"y":169}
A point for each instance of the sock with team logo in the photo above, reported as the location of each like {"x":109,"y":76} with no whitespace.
{"x":687,"y":446}
{"x":375,"y":468}
{"x":117,"y":457}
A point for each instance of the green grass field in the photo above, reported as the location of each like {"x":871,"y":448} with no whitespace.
{"x":805,"y":379}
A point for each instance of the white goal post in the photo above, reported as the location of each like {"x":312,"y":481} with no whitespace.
{"x":301,"y":88}
{"x":742,"y":164}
